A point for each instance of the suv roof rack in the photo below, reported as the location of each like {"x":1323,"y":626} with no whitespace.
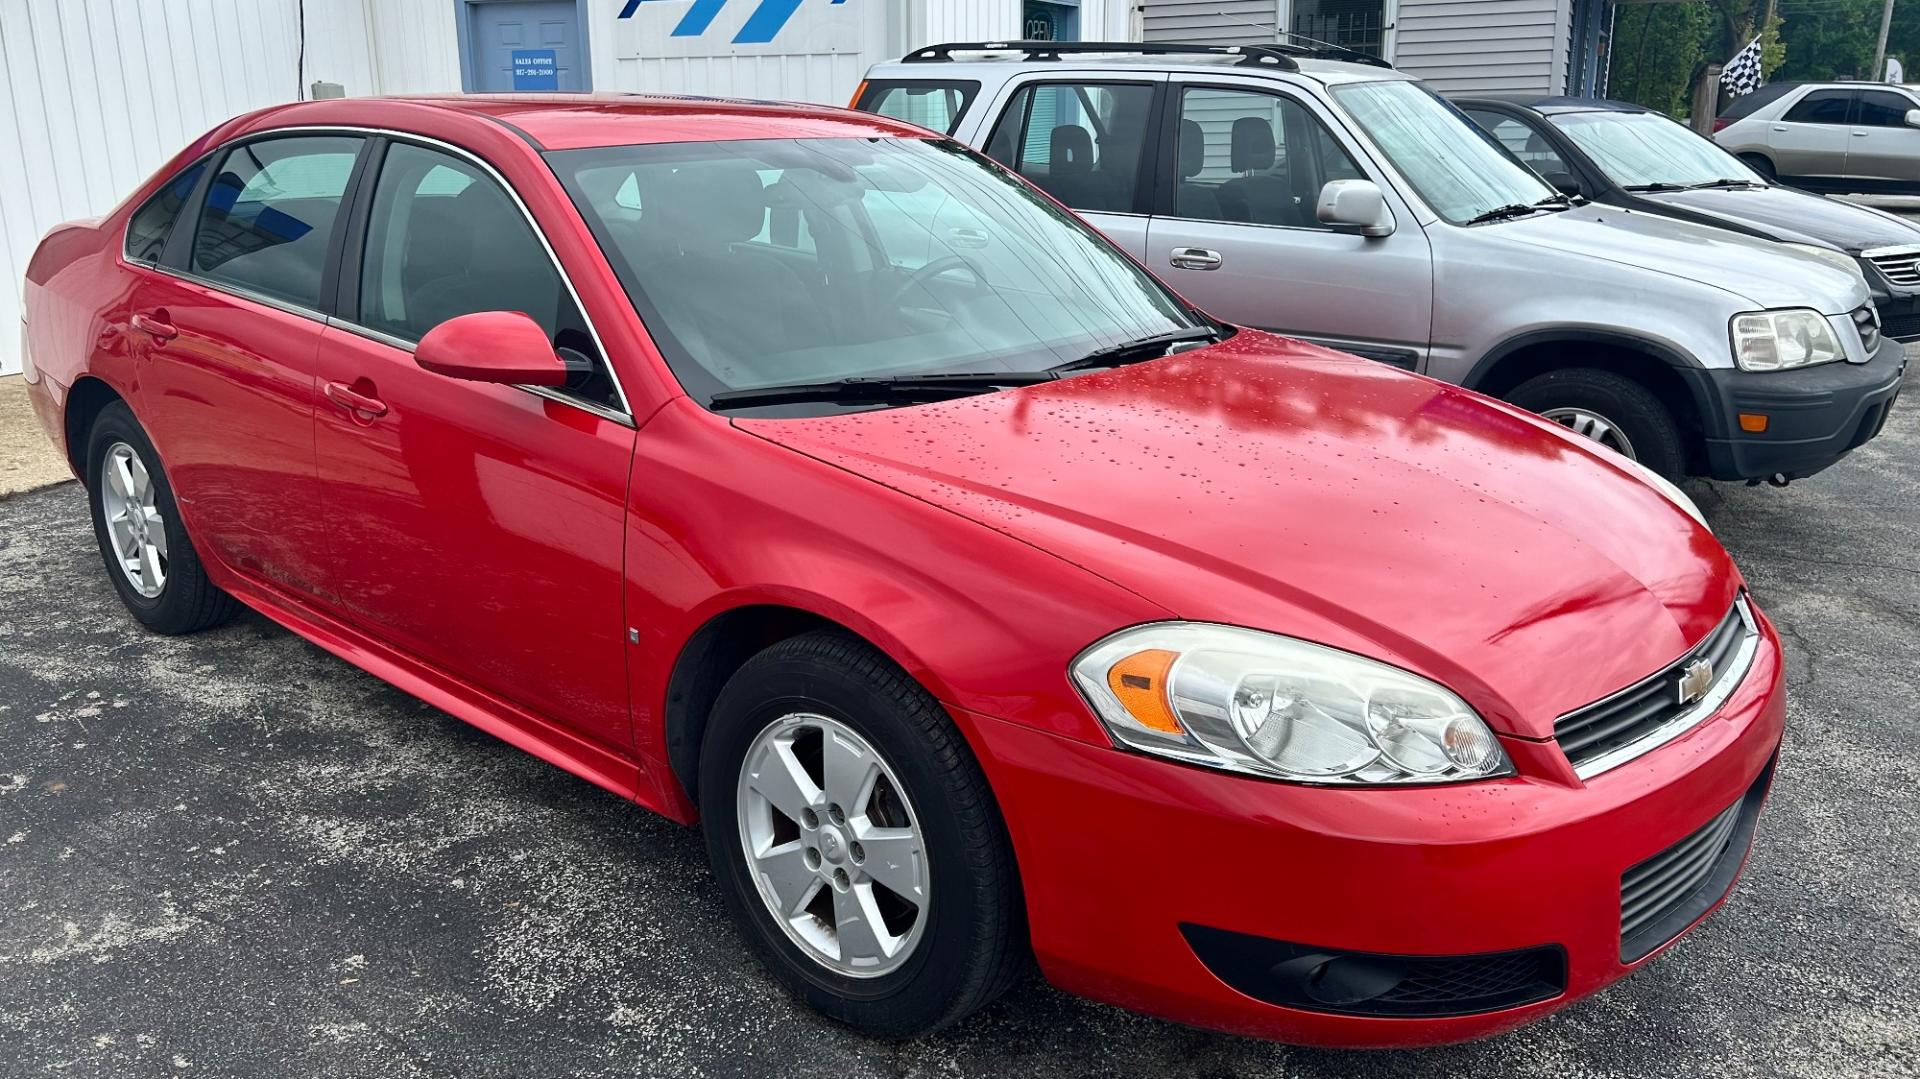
{"x":1275,"y":55}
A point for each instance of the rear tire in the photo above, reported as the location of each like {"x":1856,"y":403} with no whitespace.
{"x":961,"y":940}
{"x":1611,"y":409}
{"x":1760,"y":164}
{"x":149,"y":557}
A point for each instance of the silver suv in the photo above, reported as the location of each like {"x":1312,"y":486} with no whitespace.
{"x":1344,"y":203}
{"x":1839,"y":137}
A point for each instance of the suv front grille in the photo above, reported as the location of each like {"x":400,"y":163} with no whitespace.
{"x":1656,"y":710}
{"x":1661,"y":896}
{"x":1900,"y":265}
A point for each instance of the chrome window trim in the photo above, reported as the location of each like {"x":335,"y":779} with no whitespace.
{"x":1723,"y":687}
{"x":622,"y":415}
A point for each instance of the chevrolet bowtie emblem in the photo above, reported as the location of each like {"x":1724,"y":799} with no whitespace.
{"x":1695,"y":679}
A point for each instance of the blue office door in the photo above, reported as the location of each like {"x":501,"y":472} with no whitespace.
{"x":525,"y":46}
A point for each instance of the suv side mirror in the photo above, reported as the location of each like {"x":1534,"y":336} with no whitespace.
{"x":1913,"y":117}
{"x":505,"y":347}
{"x":1569,"y":185}
{"x":1355,"y":205}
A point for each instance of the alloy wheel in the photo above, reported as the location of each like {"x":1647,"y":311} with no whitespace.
{"x":1592,"y":425}
{"x":134,"y":524}
{"x":833,"y":846}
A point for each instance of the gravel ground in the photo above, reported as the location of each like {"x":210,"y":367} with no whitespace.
{"x":234,"y":855}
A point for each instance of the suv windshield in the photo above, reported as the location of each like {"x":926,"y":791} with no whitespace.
{"x":1636,"y":148}
{"x":784,"y":262}
{"x":1457,"y":169}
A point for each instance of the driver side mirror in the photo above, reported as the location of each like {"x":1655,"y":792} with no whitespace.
{"x":1355,"y":205}
{"x":1913,"y":117}
{"x":504,"y":347}
{"x":1569,"y":185}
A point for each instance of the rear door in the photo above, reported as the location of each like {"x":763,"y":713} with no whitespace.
{"x":1810,"y":139}
{"x":478,"y":527}
{"x":1881,"y":147}
{"x":228,"y":317}
{"x":1237,"y":233}
{"x":1089,"y":141}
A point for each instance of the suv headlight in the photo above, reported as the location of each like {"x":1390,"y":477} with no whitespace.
{"x":1779,"y":340}
{"x":1838,"y":259}
{"x":1267,"y":705}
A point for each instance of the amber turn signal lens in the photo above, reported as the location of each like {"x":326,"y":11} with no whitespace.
{"x":1755,"y":422}
{"x":1140,"y":683}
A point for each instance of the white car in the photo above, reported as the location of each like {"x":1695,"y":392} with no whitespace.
{"x":1828,"y":136}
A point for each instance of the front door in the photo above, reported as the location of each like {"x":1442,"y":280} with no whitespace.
{"x":1881,"y":147}
{"x":1238,"y":233}
{"x":479,"y":527}
{"x":524,"y":46}
{"x":229,"y":327}
{"x":1811,"y":139}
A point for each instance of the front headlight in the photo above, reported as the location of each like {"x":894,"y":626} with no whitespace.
{"x":1839,"y":259}
{"x":1778,"y":340}
{"x":1247,"y":701}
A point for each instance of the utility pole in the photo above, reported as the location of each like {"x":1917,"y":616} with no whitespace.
{"x":1880,"y":49}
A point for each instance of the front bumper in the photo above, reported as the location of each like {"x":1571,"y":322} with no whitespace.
{"x":1815,"y":416}
{"x":1118,"y":852}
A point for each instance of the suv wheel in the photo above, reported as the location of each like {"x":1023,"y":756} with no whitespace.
{"x":1610,"y":409}
{"x":856,"y":841}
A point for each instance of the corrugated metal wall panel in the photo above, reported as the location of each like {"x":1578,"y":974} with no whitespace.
{"x":1460,"y":45}
{"x":1210,"y":22}
{"x":414,"y":45}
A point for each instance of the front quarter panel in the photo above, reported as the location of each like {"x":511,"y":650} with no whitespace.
{"x":722,"y":519}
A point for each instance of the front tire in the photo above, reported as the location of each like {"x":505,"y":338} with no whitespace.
{"x":856,"y":841}
{"x":150,"y":558}
{"x":1610,"y":409}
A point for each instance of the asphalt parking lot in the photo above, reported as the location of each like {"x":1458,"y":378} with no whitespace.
{"x":232,"y":854}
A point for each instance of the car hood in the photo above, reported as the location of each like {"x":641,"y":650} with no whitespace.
{"x":1758,"y":271}
{"x":1269,"y":483}
{"x":1795,"y":216}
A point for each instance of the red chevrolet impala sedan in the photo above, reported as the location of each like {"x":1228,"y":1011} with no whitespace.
{"x":803,"y":474}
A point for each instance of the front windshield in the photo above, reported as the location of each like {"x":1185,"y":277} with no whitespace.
{"x":780,"y":262}
{"x":1457,"y":169}
{"x":1639,"y":148}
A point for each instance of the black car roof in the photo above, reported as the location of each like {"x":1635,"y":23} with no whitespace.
{"x":1548,"y":104}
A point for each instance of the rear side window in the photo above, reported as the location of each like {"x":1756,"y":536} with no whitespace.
{"x":152,"y":223}
{"x":1081,"y":142}
{"x":934,"y":105}
{"x":1821,"y":107}
{"x":269,"y":215}
{"x":1882,"y":108}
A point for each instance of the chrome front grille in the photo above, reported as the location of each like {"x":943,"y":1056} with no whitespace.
{"x":1900,"y":265}
{"x":1656,"y":710}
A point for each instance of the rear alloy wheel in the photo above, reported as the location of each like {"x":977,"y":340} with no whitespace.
{"x":150,"y":560}
{"x":1610,"y":409}
{"x":856,"y":841}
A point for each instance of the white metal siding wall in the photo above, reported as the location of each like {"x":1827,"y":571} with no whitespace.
{"x":96,"y":94}
{"x":1211,"y":22}
{"x":1460,"y":45}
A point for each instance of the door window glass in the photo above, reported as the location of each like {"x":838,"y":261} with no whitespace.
{"x":1254,"y":157}
{"x":1820,"y":107}
{"x":1082,"y":143}
{"x":935,"y":105}
{"x":1882,"y":108}
{"x":270,"y":213}
{"x":1522,"y":141}
{"x":152,"y":223}
{"x":444,"y":240}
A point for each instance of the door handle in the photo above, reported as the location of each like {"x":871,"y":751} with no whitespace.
{"x":1194,"y":258}
{"x":1779,"y":127}
{"x":155,"y":326}
{"x":354,"y":401}
{"x":1860,"y":134}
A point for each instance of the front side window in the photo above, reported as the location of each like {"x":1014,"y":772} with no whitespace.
{"x":935,"y":105}
{"x":1522,"y":141}
{"x":1821,"y":107}
{"x":1254,"y":157}
{"x":1882,"y":108}
{"x":1082,"y":143}
{"x":269,"y":215}
{"x":1638,"y":149}
{"x":796,"y":261}
{"x":152,"y":223}
{"x":444,"y":239}
{"x":1457,"y":170}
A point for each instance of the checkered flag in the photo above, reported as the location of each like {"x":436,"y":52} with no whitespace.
{"x":1742,"y":73}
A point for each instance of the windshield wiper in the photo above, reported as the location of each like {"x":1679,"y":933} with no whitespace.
{"x":1145,"y":348}
{"x":1726,"y":182}
{"x":1518,"y":209}
{"x":1660,"y":186}
{"x":883,"y":389}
